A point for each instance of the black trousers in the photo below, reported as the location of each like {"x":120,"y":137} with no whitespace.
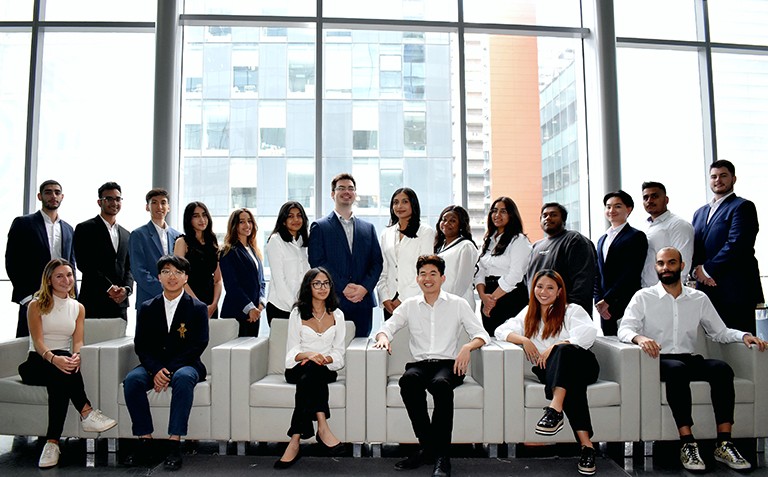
{"x":437,"y":377}
{"x":572,"y":368}
{"x":501,"y":311}
{"x":678,"y":370}
{"x":22,"y":327}
{"x":311,"y":396}
{"x":62,"y":388}
{"x":275,"y":312}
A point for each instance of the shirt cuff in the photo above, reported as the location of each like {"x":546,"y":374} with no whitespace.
{"x":247,"y":309}
{"x":705,"y":272}
{"x":26,"y":300}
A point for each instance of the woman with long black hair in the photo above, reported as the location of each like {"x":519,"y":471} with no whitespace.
{"x":454,"y":243}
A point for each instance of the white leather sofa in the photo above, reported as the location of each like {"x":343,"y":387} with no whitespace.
{"x":478,"y":402}
{"x":262,"y":401}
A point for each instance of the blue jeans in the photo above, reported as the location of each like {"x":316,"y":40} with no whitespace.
{"x":135,"y":387}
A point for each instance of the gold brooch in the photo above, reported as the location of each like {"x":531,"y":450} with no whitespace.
{"x":182,"y":330}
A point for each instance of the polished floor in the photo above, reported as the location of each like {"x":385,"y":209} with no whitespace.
{"x":18,"y":457}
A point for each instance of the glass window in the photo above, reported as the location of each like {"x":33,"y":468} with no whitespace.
{"x":16,"y":10}
{"x":663,"y":19}
{"x":738,"y":21}
{"x":432,"y":10}
{"x":100,"y":10}
{"x":239,"y":7}
{"x":526,"y":12}
{"x":245,"y":72}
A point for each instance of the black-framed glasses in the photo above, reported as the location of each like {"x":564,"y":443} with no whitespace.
{"x":318,"y":285}
{"x":167,"y":272}
{"x":344,"y":189}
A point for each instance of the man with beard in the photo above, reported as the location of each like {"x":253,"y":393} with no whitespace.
{"x":665,"y":317}
{"x":33,"y":241}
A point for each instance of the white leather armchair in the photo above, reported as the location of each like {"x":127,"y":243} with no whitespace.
{"x":478,"y":402}
{"x":262,"y":401}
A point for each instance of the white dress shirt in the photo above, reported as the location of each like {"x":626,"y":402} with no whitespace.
{"x":162,"y":234}
{"x":435,"y":330}
{"x":667,"y":230}
{"x":302,"y":339}
{"x":288,"y":262}
{"x":610,"y":236}
{"x":510,"y":265}
{"x":349,"y":227}
{"x":674,"y":322}
{"x":170,"y":308}
{"x":714,"y":204}
{"x":114,"y":232}
{"x":398,"y":275}
{"x":460,"y":259}
{"x":53,"y":229}
{"x":578,"y":329}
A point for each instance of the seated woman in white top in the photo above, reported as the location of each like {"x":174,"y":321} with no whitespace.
{"x":503,"y":260}
{"x":402,"y":243}
{"x":55,"y":337}
{"x":453,"y":242}
{"x":314,"y":353}
{"x":556,"y":337}
{"x":287,"y":258}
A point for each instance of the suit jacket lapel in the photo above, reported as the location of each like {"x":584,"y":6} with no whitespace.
{"x":42,"y":232}
{"x":155,"y":238}
{"x":722,"y":209}
{"x":106,"y":238}
{"x":341,"y":235}
{"x":600,"y":243}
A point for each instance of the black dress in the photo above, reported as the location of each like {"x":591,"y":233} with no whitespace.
{"x":203,"y":260}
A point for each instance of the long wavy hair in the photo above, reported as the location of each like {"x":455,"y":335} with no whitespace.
{"x":282,"y":230}
{"x":44,"y":296}
{"x":231,"y":239}
{"x":464,"y":227}
{"x":513,"y":228}
{"x":189,"y":231}
{"x":304,"y":301}
{"x":415,"y":219}
{"x":556,"y":312}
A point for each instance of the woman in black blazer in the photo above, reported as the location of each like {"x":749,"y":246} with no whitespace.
{"x":243,"y":273}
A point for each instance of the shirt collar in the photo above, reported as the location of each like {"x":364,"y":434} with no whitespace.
{"x":658,"y":288}
{"x":615,"y":230}
{"x":420,"y":297}
{"x":341,"y":217}
{"x":661,"y":218}
{"x":109,"y":226}
{"x":174,"y":301}
{"x":719,"y":201}
{"x":47,"y":218}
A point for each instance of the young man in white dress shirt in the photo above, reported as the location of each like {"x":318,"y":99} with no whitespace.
{"x":435,"y":320}
{"x":666,"y":317}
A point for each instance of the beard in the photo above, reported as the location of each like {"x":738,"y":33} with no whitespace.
{"x":670,"y":279}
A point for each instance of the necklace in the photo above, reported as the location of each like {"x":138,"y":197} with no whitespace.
{"x":319,"y":320}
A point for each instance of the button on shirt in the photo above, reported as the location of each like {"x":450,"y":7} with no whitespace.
{"x":170,"y":308}
{"x":53,"y":229}
{"x":674,"y":322}
{"x":610,"y":235}
{"x":435,"y":330}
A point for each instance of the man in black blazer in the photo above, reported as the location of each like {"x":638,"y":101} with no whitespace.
{"x":101,"y":248}
{"x":621,"y":256}
{"x":33,"y":241}
{"x":171,"y":335}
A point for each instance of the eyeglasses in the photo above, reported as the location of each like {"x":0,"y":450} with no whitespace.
{"x":109,"y":198}
{"x":344,"y":189}
{"x":320,"y":285}
{"x":167,"y":272}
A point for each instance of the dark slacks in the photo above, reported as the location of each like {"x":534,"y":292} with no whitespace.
{"x":275,"y":312}
{"x":610,"y":327}
{"x":311,"y":396}
{"x":572,"y":368}
{"x":437,"y":377}
{"x":22,"y":327}
{"x":62,"y":388}
{"x":677,"y":372}
{"x":501,"y":311}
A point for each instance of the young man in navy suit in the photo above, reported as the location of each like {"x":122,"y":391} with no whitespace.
{"x":171,"y":335}
{"x":33,"y":241}
{"x":621,"y":256}
{"x":724,"y":263}
{"x":150,"y":242}
{"x":347,"y":247}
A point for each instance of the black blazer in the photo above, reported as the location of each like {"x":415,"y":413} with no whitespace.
{"x":101,"y":267}
{"x":159,"y":348}
{"x":618,"y":276}
{"x":27,"y":253}
{"x":244,"y":283}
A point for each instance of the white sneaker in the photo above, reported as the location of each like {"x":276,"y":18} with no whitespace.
{"x":728,"y":454}
{"x":690,"y":457}
{"x":97,"y":422}
{"x":50,"y":455}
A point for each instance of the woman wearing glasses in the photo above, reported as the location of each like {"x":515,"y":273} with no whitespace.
{"x":502,"y":262}
{"x":243,"y":273}
{"x":314,"y":353}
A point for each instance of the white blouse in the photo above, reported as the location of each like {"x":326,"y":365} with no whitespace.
{"x":460,"y":260}
{"x":302,"y":338}
{"x":398,"y":275}
{"x":577,"y":329}
{"x":510,"y":265}
{"x":288,"y":262}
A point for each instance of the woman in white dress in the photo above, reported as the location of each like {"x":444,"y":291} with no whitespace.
{"x":453,"y":242}
{"x":314,"y":354}
{"x":503,"y":260}
{"x":402,"y":243}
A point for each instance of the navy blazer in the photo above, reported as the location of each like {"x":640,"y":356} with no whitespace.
{"x":27,"y":253}
{"x":243,"y":282}
{"x":726,"y":249}
{"x":328,"y":248}
{"x":102,"y":267}
{"x":158,"y":347}
{"x":618,"y":276}
{"x":144,"y":250}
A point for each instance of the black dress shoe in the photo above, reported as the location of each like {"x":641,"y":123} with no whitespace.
{"x":336,"y":450}
{"x":442,"y":467}
{"x":414,"y":461}
{"x":141,"y":455}
{"x":173,"y":459}
{"x":284,"y":464}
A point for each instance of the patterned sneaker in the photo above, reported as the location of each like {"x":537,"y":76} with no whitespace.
{"x":50,"y":455}
{"x":587,"y":461}
{"x":728,"y":454}
{"x":690,"y":457}
{"x":97,"y":422}
{"x":550,"y":423}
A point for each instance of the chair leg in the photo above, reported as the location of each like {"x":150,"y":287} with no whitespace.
{"x":376,"y":450}
{"x":112,"y":445}
{"x":90,"y":446}
{"x":222,"y":447}
{"x":762,"y":445}
{"x":512,"y":450}
{"x":241,"y":448}
{"x":493,"y":451}
{"x":628,"y":449}
{"x":357,"y":449}
{"x":647,"y":448}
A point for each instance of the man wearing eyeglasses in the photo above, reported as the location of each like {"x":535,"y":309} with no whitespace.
{"x":171,"y":335}
{"x":348,"y":248}
{"x":101,"y":250}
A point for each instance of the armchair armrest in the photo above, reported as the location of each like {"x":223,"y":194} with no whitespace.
{"x":514,"y":399}
{"x":249,"y":360}
{"x":620,"y":362}
{"x":376,"y":393}
{"x":89,"y":368}
{"x":116,"y":359}
{"x":12,"y":354}
{"x":488,"y":370}
{"x":221,"y":388}
{"x":355,"y":384}
{"x":650,"y":397}
{"x":751,"y":364}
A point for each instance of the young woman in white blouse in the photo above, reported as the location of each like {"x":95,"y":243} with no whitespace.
{"x":402,"y":243}
{"x":314,"y":353}
{"x":453,"y":242}
{"x":502,"y":262}
{"x":286,"y":252}
{"x":556,"y":337}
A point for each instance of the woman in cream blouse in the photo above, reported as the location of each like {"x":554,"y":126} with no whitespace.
{"x":454,"y":244}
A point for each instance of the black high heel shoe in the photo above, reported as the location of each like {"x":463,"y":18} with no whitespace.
{"x":284,"y":464}
{"x":338,"y":449}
